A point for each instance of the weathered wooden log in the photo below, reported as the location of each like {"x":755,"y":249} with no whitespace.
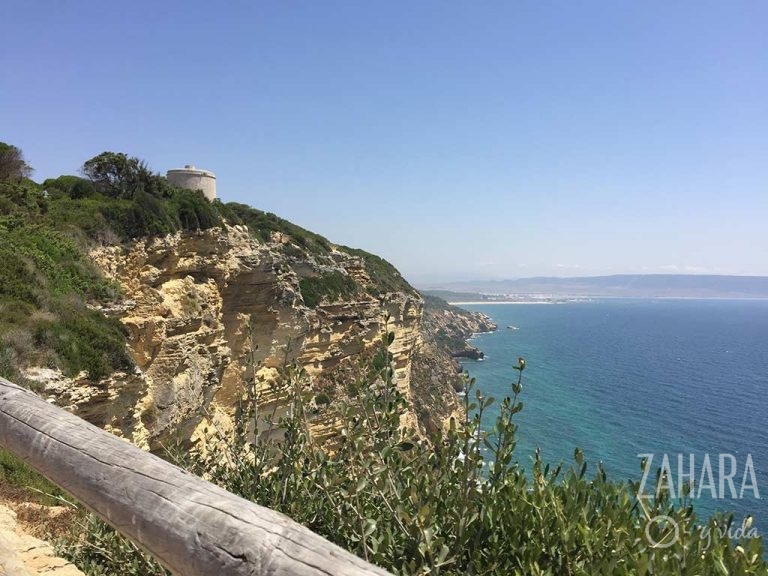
{"x":189,"y":525}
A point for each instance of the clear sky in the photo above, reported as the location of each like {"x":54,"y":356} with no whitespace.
{"x":459,"y":140}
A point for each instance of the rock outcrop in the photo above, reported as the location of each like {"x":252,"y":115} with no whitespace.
{"x":210,"y":311}
{"x":437,"y":375}
{"x":470,"y":353}
{"x":450,"y":327}
{"x":206,"y":311}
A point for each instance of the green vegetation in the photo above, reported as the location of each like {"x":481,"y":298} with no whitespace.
{"x":13,"y":167}
{"x":46,"y":282}
{"x":434,"y":302}
{"x":264,"y":224}
{"x":159,"y":209}
{"x":457,"y":504}
{"x":18,"y":479}
{"x":445,"y":335}
{"x":329,"y":286}
{"x":385,"y":277}
{"x":124,"y":195}
{"x":98,"y":550}
{"x":120,"y":176}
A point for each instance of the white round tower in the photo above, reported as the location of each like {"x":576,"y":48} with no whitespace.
{"x":193,"y":178}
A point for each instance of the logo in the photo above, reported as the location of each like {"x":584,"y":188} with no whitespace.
{"x":663,"y":531}
{"x":714,"y":481}
{"x":685,"y":476}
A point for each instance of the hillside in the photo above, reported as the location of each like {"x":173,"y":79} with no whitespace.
{"x":145,"y":309}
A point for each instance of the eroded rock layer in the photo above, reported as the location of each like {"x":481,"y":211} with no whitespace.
{"x":205,"y":311}
{"x":208,"y":312}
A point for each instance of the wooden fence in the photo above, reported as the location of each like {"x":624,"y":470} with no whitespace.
{"x":189,"y":525}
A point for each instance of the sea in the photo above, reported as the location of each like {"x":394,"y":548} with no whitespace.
{"x":619,"y":378}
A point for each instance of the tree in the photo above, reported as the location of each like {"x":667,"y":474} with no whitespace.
{"x":12,"y":163}
{"x":119,"y":175}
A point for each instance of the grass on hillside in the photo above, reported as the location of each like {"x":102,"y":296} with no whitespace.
{"x":46,"y":284}
{"x":19,"y":482}
{"x":385,"y":277}
{"x":329,"y":286}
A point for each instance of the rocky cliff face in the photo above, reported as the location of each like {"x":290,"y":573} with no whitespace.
{"x":436,"y":373}
{"x":450,"y":327}
{"x":207,"y":310}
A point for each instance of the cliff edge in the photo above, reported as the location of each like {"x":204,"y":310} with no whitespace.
{"x":145,"y":309}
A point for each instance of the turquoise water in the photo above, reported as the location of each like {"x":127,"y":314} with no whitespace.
{"x":617,"y":378}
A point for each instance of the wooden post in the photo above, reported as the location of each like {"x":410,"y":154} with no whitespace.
{"x":189,"y":525}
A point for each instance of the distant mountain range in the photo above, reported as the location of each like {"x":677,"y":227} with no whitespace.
{"x":617,"y":286}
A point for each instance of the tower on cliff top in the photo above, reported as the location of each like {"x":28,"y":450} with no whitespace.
{"x":194,"y":179}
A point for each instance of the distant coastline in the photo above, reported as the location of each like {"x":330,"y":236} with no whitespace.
{"x":580,"y":300}
{"x":653,"y":286}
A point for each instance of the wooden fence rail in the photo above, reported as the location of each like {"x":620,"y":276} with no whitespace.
{"x":189,"y":525}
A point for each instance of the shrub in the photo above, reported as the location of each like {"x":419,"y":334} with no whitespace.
{"x":21,"y":199}
{"x":118,"y":175}
{"x":329,"y":286}
{"x":263,"y":224}
{"x":73,"y":186}
{"x":384,"y":276}
{"x":12,"y":164}
{"x":86,"y":340}
{"x":456,"y":504}
{"x":8,"y":363}
{"x":98,"y":550}
{"x":143,"y":215}
{"x":193,"y":210}
{"x":46,"y":280}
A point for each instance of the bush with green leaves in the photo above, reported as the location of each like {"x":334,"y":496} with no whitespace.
{"x":384,"y":276}
{"x":118,"y":175}
{"x":328,"y":286}
{"x":455,"y":503}
{"x":264,"y":224}
{"x":13,"y":167}
{"x":98,"y":550}
{"x":46,"y":284}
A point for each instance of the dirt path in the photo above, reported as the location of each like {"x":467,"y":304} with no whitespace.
{"x":25,"y":555}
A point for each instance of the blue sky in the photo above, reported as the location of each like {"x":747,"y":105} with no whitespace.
{"x":459,"y":140}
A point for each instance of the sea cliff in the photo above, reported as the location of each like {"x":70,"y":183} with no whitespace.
{"x":206,"y":311}
{"x":147,"y":310}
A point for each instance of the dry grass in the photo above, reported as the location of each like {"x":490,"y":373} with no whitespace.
{"x":38,"y":503}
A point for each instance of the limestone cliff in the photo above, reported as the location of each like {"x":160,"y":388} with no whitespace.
{"x":207,"y":311}
{"x":450,"y":327}
{"x":199,"y":298}
{"x":436,"y":373}
{"x":201,"y":307}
